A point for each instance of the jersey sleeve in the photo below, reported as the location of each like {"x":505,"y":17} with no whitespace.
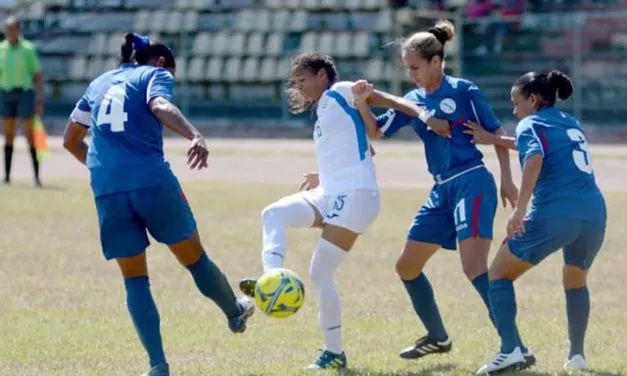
{"x":344,"y":89}
{"x":82,"y":112}
{"x":482,"y":110}
{"x":527,"y":141}
{"x":392,"y":121}
{"x":161,"y":84}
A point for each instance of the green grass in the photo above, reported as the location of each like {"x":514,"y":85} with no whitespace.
{"x":62,"y":309}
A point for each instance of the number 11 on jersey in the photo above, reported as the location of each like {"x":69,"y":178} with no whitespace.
{"x":111,"y":109}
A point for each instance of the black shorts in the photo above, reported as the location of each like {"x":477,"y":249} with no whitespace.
{"x":18,"y":104}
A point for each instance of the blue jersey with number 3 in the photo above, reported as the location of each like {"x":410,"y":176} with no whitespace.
{"x":566,"y":186}
{"x":126,"y":149}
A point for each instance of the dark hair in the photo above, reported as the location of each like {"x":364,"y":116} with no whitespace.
{"x":547,"y":85}
{"x":313,"y":62}
{"x":430,"y":43}
{"x":139,"y":49}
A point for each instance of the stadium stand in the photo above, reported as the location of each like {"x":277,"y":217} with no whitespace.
{"x":233,"y":55}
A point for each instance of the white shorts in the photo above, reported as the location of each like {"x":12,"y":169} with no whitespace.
{"x":353,"y":210}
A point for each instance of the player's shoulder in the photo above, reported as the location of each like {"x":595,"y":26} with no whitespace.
{"x":344,"y":88}
{"x":460,"y":84}
{"x":26,"y":44}
{"x":526,"y":124}
{"x":415,"y":95}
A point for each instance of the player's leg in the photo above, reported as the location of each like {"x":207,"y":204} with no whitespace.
{"x":578,"y":258}
{"x":9,"y":113}
{"x":515,"y":257}
{"x":169,"y":219}
{"x":123,"y":237}
{"x":25,"y":117}
{"x":348,"y":216}
{"x":300,"y":210}
{"x":431,"y":229}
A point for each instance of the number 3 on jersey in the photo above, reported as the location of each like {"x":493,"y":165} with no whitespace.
{"x":581,"y":155}
{"x":111,"y":109}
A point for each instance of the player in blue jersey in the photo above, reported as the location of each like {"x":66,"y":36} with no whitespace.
{"x":463,"y":200}
{"x":560,"y":206}
{"x":135,"y":189}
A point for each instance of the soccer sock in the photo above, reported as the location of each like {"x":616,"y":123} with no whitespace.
{"x":213,"y":284}
{"x":578,"y":312}
{"x":289,"y":212}
{"x":8,"y":158}
{"x":33,"y":155}
{"x":325,"y":261}
{"x":423,"y":300}
{"x":145,"y":316}
{"x":503,"y":303}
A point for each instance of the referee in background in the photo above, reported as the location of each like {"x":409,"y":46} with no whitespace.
{"x":20,"y":71}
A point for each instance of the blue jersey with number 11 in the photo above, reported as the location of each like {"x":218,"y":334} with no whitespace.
{"x":566,"y":187}
{"x":126,"y":149}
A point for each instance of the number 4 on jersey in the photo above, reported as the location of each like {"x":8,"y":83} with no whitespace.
{"x":111,"y":109}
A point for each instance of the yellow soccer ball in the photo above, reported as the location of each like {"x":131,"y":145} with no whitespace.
{"x":279,"y":293}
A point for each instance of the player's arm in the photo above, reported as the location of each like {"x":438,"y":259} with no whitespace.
{"x":530,"y":174}
{"x":173,"y":118}
{"x":483,"y":137}
{"x":74,"y":140}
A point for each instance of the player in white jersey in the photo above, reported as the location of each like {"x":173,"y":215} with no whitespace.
{"x":342,"y":198}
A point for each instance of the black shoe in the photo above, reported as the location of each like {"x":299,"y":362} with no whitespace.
{"x":530,"y":359}
{"x":247,"y":286}
{"x":425,"y":346}
{"x":237,"y":324}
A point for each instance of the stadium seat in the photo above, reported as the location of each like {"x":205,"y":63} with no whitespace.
{"x":280,"y":20}
{"x":202,"y":44}
{"x":154,"y":4}
{"x":196,"y":69}
{"x":298,"y":21}
{"x":98,"y":44}
{"x":158,"y":21}
{"x":283,"y":69}
{"x":332,"y":5}
{"x":111,"y":63}
{"x":274,"y":4}
{"x":142,"y":21}
{"x":268,"y":70}
{"x":363,"y":21}
{"x":274,"y":45}
{"x":294,"y":4}
{"x":244,"y":20}
{"x":309,"y":42}
{"x":255,"y":44}
{"x":353,"y":5}
{"x":78,"y":68}
{"x":375,"y":70}
{"x":262,"y":20}
{"x":361,"y":45}
{"x":220,"y":44}
{"x":114,"y":44}
{"x":250,"y":70}
{"x":384,"y":22}
{"x":236,"y":44}
{"x":181,"y":69}
{"x":326,"y":43}
{"x":190,"y":21}
{"x":95,"y":68}
{"x":204,"y":4}
{"x":233,"y":69}
{"x":311,"y":4}
{"x":174,"y":22}
{"x":215,"y":69}
{"x":334,"y":21}
{"x":343,"y":45}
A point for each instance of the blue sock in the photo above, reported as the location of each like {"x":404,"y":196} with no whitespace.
{"x":503,"y":303}
{"x":482,"y":285}
{"x":213,"y":284}
{"x":578,"y":311}
{"x":145,"y":316}
{"x":423,"y":300}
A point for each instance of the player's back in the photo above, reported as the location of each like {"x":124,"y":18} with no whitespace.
{"x":126,"y":150}
{"x":342,"y":146}
{"x":566,"y":186}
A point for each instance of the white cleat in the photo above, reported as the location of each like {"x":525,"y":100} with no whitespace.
{"x":503,"y":362}
{"x":575,"y":364}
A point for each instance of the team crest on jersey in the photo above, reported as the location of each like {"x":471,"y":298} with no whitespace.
{"x":448,"y":106}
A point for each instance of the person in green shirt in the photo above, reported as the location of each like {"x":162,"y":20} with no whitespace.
{"x":20,"y":73}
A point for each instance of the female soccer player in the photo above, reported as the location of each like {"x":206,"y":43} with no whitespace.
{"x":462,"y":203}
{"x":567,"y":211}
{"x":342,"y":198}
{"x":135,"y":189}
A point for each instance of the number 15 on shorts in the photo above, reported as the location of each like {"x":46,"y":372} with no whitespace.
{"x":338,"y":205}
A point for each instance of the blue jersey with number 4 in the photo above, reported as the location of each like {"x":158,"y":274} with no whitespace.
{"x":566,"y":186}
{"x":456,"y":100}
{"x":126,"y":149}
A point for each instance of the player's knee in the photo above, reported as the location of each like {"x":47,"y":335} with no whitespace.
{"x":474,"y":269}
{"x":271,"y":213}
{"x":9,"y":137}
{"x":405,"y":270}
{"x":574,"y":277}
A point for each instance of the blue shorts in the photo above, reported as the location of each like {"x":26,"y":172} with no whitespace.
{"x":124,"y":218}
{"x":457,"y":210}
{"x":581,"y":240}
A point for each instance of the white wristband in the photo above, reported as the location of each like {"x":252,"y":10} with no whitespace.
{"x":426,"y":115}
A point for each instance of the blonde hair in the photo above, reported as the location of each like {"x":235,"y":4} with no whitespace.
{"x":430,"y":43}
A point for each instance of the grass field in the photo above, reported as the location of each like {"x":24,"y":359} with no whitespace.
{"x":62,"y":309}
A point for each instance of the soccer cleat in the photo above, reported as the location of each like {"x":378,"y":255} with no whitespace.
{"x":576,"y":363}
{"x":501,"y":363}
{"x":530,"y":359}
{"x":329,"y":360}
{"x":425,"y":346}
{"x":247,"y":286}
{"x":237,"y":323}
{"x":159,"y":370}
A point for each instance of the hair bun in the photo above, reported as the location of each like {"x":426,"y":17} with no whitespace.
{"x":561,"y":83}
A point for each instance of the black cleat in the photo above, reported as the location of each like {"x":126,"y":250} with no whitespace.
{"x":425,"y":346}
{"x":247,"y":286}
{"x":530,"y":360}
{"x":237,"y":324}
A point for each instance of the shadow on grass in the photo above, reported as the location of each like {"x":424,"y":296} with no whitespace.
{"x":438,"y":369}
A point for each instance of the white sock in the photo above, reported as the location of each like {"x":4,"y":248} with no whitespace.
{"x":289,"y":212}
{"x":325,"y":261}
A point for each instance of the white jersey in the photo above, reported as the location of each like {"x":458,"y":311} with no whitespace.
{"x":342,"y":146}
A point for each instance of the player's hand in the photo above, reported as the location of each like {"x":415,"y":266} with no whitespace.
{"x":362,"y":90}
{"x":198,"y":153}
{"x":39,"y":108}
{"x":441,"y":127}
{"x":479,"y":134}
{"x":311,"y":180}
{"x":509,"y":193}
{"x":516,"y":223}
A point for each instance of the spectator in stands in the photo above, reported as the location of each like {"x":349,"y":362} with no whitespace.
{"x":20,"y":70}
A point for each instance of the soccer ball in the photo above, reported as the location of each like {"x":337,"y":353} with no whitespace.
{"x":279,"y":293}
